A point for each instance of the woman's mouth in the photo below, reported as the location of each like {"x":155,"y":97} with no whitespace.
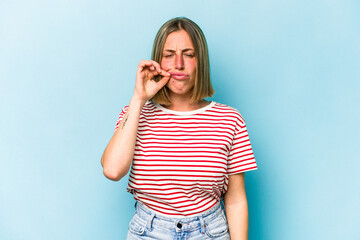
{"x":179,"y":75}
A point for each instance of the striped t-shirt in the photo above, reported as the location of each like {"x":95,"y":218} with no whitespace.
{"x":182,"y":159}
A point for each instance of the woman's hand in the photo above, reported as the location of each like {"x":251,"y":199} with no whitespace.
{"x":119,"y":153}
{"x":145,"y":86}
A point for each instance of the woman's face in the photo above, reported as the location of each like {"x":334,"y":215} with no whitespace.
{"x":179,"y":59}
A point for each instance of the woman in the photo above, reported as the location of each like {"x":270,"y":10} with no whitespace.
{"x":186,"y":154}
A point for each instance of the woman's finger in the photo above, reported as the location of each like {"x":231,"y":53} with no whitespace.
{"x":144,"y":64}
{"x":156,"y":65}
{"x":151,"y":68}
{"x":163,"y":82}
{"x":164,"y":73}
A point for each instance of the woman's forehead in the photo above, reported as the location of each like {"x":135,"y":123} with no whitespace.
{"x":179,"y":40}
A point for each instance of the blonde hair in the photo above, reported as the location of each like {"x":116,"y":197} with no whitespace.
{"x":202,"y":87}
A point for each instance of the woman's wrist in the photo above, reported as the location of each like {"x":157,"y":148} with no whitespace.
{"x":136,"y":101}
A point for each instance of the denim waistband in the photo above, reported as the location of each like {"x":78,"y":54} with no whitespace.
{"x":186,"y":223}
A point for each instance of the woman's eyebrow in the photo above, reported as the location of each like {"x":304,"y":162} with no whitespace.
{"x":184,"y":50}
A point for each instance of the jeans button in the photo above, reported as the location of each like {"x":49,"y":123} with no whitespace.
{"x":179,"y":225}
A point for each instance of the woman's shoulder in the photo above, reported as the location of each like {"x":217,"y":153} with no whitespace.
{"x":227,"y":109}
{"x":229,"y":112}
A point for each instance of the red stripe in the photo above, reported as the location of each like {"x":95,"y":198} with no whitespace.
{"x":171,"y":179}
{"x":172,"y":156}
{"x":240,"y":147}
{"x":141,"y":148}
{"x":247,"y":140}
{"x":166,"y":184}
{"x":242,"y":165}
{"x":244,"y":155}
{"x":197,"y":124}
{"x":189,"y":194}
{"x":185,"y":190}
{"x":211,"y":126}
{"x":173,"y":165}
{"x":181,"y":133}
{"x":237,"y":155}
{"x":200,"y":152}
{"x":153,"y":145}
{"x":173,"y":175}
{"x":176,"y":170}
{"x":139,"y":142}
{"x":242,"y":170}
{"x":206,"y":117}
{"x":185,"y":131}
{"x":176,"y":160}
{"x":235,"y":162}
{"x":181,"y":139}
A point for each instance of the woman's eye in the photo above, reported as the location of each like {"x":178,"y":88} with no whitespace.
{"x":172,"y":55}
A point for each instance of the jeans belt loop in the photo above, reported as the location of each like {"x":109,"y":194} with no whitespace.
{"x":202,"y":224}
{"x":149,"y":223}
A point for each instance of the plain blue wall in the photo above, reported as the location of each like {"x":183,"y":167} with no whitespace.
{"x":67,"y":68}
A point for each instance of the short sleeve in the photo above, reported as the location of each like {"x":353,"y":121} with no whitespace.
{"x":241,"y":157}
{"x":121,"y":116}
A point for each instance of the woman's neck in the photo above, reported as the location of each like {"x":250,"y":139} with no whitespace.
{"x":182,"y":103}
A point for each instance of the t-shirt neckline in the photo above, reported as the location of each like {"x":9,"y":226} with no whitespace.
{"x":196,"y":111}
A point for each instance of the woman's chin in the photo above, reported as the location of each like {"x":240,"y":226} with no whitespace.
{"x":179,"y":89}
{"x":179,"y":92}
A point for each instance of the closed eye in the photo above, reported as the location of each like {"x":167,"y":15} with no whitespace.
{"x":172,"y":54}
{"x":168,"y":55}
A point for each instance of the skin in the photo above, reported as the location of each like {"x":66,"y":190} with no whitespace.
{"x":178,"y":57}
{"x":236,"y":207}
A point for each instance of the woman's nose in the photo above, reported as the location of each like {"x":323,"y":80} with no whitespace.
{"x":179,"y":63}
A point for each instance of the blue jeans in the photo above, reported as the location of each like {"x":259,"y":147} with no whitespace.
{"x":145,"y":224}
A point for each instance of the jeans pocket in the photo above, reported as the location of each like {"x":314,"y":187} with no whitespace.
{"x":138,"y":227}
{"x":217,"y":227}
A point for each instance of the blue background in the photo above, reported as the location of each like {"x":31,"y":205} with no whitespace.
{"x":67,"y":68}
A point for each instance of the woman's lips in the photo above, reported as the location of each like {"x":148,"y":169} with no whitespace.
{"x":179,"y":75}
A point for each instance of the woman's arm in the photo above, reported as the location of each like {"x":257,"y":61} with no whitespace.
{"x":118,"y":155}
{"x":236,"y":207}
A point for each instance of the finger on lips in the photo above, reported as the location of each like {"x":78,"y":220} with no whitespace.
{"x":165,"y":73}
{"x":153,"y":66}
